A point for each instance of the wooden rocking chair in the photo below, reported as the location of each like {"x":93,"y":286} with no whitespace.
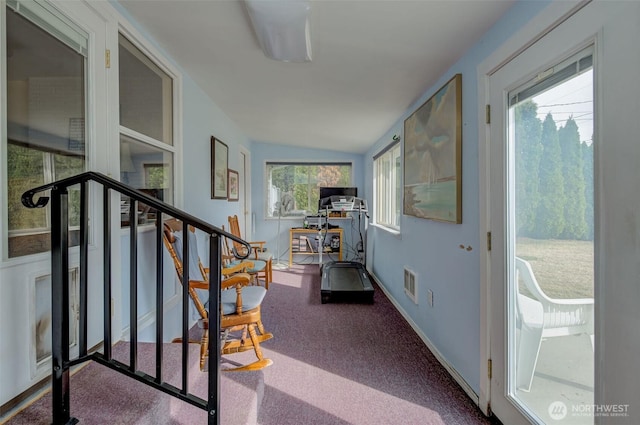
{"x":255,"y":268}
{"x":259,"y":251}
{"x":239,"y":305}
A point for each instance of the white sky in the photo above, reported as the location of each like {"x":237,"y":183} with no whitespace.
{"x":571,"y":98}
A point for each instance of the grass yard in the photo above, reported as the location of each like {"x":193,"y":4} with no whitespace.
{"x":563,"y":268}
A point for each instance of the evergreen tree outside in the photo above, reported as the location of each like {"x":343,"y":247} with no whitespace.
{"x":576,"y":162}
{"x":528,"y":130}
{"x":586,"y":149}
{"x":549,"y":221}
{"x":575,"y":226}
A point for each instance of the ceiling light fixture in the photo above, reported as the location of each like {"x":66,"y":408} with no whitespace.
{"x":282,"y":28}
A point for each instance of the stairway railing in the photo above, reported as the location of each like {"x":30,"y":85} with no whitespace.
{"x":61,"y":363}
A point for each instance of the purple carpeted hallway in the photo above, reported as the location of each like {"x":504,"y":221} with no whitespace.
{"x":333,"y":364}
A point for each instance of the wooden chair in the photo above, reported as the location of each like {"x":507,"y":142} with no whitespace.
{"x":259,"y":250}
{"x":255,"y":268}
{"x":239,"y":305}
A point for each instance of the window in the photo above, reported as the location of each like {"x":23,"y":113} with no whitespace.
{"x":46,"y":98}
{"x":300,"y":183}
{"x":388,"y":189}
{"x":146,"y":98}
{"x":147,"y":149}
{"x":157,"y":175}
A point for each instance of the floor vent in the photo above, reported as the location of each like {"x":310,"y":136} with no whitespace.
{"x":410,"y":287}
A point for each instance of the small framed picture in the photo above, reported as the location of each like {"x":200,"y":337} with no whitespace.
{"x":219,"y":167}
{"x":233,"y":185}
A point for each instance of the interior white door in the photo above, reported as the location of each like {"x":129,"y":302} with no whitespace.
{"x":608,"y":29}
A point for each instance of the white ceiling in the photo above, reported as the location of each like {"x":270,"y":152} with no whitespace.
{"x":372,"y":59}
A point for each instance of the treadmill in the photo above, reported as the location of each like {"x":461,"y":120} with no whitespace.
{"x":347,"y":281}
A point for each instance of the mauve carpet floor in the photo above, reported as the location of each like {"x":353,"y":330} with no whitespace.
{"x":334,"y":363}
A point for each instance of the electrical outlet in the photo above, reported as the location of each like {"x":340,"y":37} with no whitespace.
{"x":430,"y":297}
{"x":359,"y":247}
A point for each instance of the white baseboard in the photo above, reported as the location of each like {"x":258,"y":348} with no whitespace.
{"x":452,"y":371}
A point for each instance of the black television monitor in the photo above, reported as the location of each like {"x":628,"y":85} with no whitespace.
{"x":327,"y":193}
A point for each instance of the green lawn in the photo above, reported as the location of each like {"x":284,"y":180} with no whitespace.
{"x":563,"y":268}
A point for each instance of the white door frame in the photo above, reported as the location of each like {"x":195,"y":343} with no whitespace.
{"x":246,"y":223}
{"x":613,"y":26}
{"x":551,"y":17}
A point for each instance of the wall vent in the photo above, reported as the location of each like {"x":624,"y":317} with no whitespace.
{"x":410,"y":287}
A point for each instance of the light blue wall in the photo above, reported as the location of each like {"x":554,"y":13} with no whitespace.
{"x":267,"y":229}
{"x":202,"y":119}
{"x":433,"y":249}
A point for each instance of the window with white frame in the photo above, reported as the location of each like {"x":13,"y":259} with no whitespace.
{"x":45,"y":117}
{"x":293,"y":187}
{"x":388,"y":189}
{"x":147,"y":151}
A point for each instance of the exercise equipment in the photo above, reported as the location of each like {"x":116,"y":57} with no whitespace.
{"x":345,"y":281}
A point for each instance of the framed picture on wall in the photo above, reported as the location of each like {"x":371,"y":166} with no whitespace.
{"x":219,"y":169}
{"x":433,"y":156}
{"x":233,"y":185}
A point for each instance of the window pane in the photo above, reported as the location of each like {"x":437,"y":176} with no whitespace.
{"x":25,"y":168}
{"x":397,"y":187}
{"x":387,"y":186}
{"x":551,"y":232}
{"x":301,"y":183}
{"x":45,"y":126}
{"x":146,"y":168}
{"x":146,"y":99}
{"x":67,"y":166}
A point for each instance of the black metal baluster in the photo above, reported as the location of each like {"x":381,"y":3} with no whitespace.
{"x":185,"y":308}
{"x":215,"y":277}
{"x":159,"y":296}
{"x":106,"y":226}
{"x":60,"y":306}
{"x":84,"y":264}
{"x":133,"y":285}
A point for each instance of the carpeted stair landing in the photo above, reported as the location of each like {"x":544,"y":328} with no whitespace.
{"x":101,"y":396}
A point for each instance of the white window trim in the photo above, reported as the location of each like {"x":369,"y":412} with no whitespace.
{"x":96,"y":80}
{"x":137,"y":39}
{"x":386,"y":150}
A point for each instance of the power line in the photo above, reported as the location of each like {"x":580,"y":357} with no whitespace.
{"x":565,"y":104}
{"x":574,"y":114}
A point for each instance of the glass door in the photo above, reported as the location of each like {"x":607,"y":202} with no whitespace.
{"x":562,"y":200}
{"x":550,"y":234}
{"x":541,"y":202}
